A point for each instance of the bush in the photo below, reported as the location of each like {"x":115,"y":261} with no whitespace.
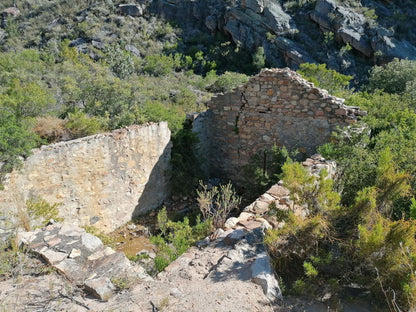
{"x":176,"y":238}
{"x":160,"y":64}
{"x":51,"y":129}
{"x":120,"y":62}
{"x":392,"y":77}
{"x":186,"y":171}
{"x":227,"y":82}
{"x":328,"y":79}
{"x":15,"y":141}
{"x":80,"y":124}
{"x":40,"y":212}
{"x":306,"y":189}
{"x":216,"y":203}
{"x":263,"y":170}
{"x":259,"y":59}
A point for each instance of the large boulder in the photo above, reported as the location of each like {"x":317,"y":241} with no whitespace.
{"x":275,"y":18}
{"x":359,"y":32}
{"x":131,"y":9}
{"x":10,"y":12}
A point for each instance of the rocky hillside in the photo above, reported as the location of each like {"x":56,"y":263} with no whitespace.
{"x":350,"y":36}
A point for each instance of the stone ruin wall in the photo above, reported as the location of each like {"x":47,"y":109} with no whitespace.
{"x":103,"y":180}
{"x":277,"y":107}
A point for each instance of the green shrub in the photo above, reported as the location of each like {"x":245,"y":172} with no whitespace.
{"x":328,"y":79}
{"x":15,"y":141}
{"x":160,"y":64}
{"x":259,"y":59}
{"x":310,"y":270}
{"x":186,"y":171}
{"x":392,"y":77}
{"x":216,"y":203}
{"x":227,"y":82}
{"x":263,"y":170}
{"x":316,"y":192}
{"x":41,"y":211}
{"x":80,"y":124}
{"x":176,"y":238}
{"x":120,"y":62}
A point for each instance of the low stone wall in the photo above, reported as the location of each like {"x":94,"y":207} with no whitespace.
{"x":276,"y":107}
{"x":103,"y":180}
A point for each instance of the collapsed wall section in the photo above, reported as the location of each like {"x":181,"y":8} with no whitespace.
{"x":276,"y":107}
{"x":103,"y":180}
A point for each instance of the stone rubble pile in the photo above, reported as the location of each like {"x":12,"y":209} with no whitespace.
{"x":82,"y":258}
{"x":279,"y":196}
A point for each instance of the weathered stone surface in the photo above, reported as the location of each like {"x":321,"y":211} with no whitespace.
{"x":278,"y":191}
{"x":235,"y":236}
{"x":230,"y":223}
{"x":131,"y":9}
{"x":133,"y":49}
{"x":10,"y":12}
{"x":53,"y":257}
{"x":244,"y":216}
{"x":260,"y":207}
{"x":363,"y":35}
{"x":91,"y":242}
{"x":105,"y":180}
{"x":101,"y":288}
{"x":246,"y":22}
{"x":82,"y":258}
{"x":262,"y":274}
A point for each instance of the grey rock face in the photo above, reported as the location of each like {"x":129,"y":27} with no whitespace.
{"x":360,"y":33}
{"x":246,"y":22}
{"x":263,"y":275}
{"x":131,"y":9}
{"x":275,"y":18}
{"x":133,"y":49}
{"x":101,"y":288}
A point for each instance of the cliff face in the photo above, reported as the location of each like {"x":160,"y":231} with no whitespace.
{"x":294,"y":32}
{"x":103,"y":180}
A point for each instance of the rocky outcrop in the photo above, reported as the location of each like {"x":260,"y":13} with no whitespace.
{"x":276,"y":107}
{"x":279,"y":196}
{"x":11,"y":12}
{"x":131,"y":9}
{"x":82,"y":258}
{"x":246,"y":22}
{"x":291,"y":33}
{"x":103,"y":180}
{"x":360,"y":32}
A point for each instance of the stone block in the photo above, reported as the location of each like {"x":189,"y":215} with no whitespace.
{"x":100,"y":288}
{"x":263,"y":275}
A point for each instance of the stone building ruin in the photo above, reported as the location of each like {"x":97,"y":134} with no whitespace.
{"x":276,"y":107}
{"x":107,"y":179}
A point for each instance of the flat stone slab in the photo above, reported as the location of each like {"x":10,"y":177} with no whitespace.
{"x":81,"y":257}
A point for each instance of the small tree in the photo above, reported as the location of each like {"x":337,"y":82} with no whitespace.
{"x":259,"y":59}
{"x":328,"y":79}
{"x":305,"y":188}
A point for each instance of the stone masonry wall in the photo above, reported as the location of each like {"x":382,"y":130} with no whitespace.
{"x":103,"y":180}
{"x":277,"y":107}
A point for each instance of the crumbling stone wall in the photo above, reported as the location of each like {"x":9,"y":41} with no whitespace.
{"x":277,"y":107}
{"x":103,"y":180}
